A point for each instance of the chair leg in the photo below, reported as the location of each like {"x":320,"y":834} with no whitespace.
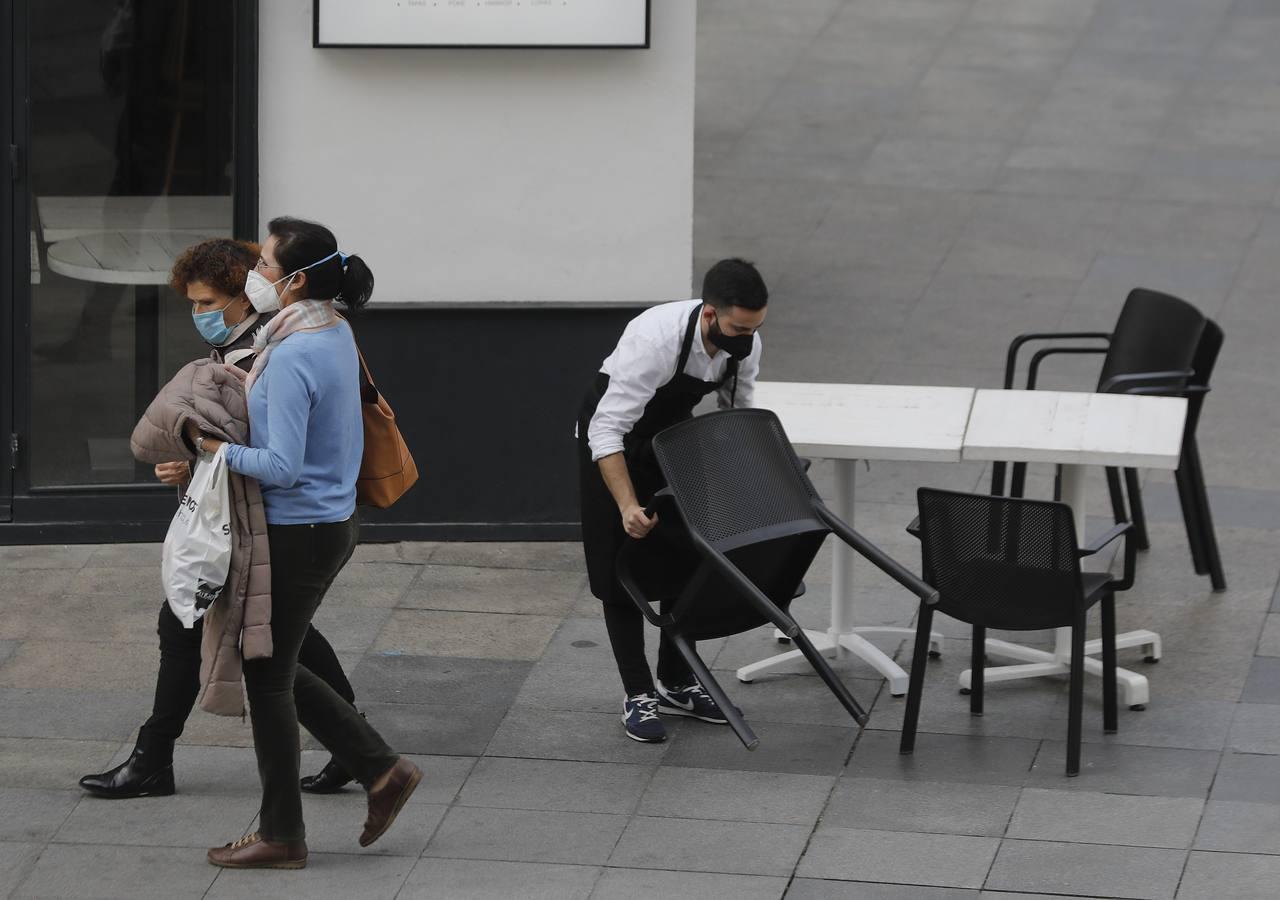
{"x":997,"y":479}
{"x":1075,"y":705}
{"x":1135,"y":506}
{"x":1210,"y":540}
{"x":712,"y":687}
{"x":977,"y":660}
{"x":1018,"y":480}
{"x":1191,"y":517}
{"x":1110,"y":722}
{"x":1116,"y":490}
{"x":915,"y":686}
{"x":805,"y":646}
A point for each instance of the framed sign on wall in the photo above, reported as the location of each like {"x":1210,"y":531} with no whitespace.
{"x":481,"y":23}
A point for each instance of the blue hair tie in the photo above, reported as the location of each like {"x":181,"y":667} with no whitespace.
{"x":342,"y":257}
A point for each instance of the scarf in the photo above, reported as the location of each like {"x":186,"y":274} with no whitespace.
{"x":295,"y":317}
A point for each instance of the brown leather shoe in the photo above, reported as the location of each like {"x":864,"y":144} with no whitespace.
{"x":385,"y":803}
{"x":255,"y":852}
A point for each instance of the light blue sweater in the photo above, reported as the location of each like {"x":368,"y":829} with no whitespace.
{"x":306,"y":435}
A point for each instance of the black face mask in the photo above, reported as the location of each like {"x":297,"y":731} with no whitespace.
{"x":737,"y":346}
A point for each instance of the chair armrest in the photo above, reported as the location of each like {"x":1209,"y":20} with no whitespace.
{"x":881,"y":560}
{"x":913,"y":528}
{"x":1142,"y":379}
{"x":628,"y":582}
{"x":1130,"y":552}
{"x":1033,"y":370}
{"x":1011,"y":360}
{"x":753,"y":594}
{"x":1096,"y":545}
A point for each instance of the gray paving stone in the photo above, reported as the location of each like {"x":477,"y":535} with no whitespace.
{"x":1240,"y":827}
{"x":1187,"y":724}
{"x":735,"y":796}
{"x":527,"y":835}
{"x":794,"y":749}
{"x":552,"y":685}
{"x":1263,"y":685}
{"x":1269,"y":643}
{"x":818,"y":889}
{"x":16,"y":862}
{"x":941,"y":860}
{"x":1089,"y":869}
{"x":460,"y":682}
{"x":104,"y":872}
{"x":945,"y":758}
{"x":555,"y":785}
{"x":1255,"y":729}
{"x":1239,"y":876}
{"x":51,"y":764}
{"x":434,"y":729}
{"x":334,"y":823}
{"x":328,"y":876}
{"x":495,"y":590}
{"x":1115,"y":768}
{"x":582,"y":736}
{"x":925,"y":806}
{"x":428,"y":632}
{"x":47,"y":556}
{"x":1248,"y":777}
{"x":374,"y":583}
{"x":77,"y":715}
{"x":696,"y":845}
{"x":641,"y":884}
{"x":557,"y":556}
{"x":464,"y":879}
{"x":183,"y":820}
{"x":34,"y":815}
{"x":1094,"y":818}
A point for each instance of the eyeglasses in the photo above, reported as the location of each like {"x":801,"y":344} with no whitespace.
{"x":262,"y":264}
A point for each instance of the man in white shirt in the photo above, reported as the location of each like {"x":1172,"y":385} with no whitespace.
{"x":668,"y":359}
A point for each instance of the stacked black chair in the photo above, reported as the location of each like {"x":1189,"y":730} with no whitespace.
{"x":1014,"y":564}
{"x":740,"y":504}
{"x":1161,"y":345}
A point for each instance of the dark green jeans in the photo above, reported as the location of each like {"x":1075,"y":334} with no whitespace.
{"x":304,"y":561}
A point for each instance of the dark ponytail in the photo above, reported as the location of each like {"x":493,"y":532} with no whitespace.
{"x":300,"y":244}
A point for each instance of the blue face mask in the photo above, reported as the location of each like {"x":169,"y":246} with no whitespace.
{"x":212,"y":327}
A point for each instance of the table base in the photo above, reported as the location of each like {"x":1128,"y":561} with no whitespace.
{"x":1134,"y":688}
{"x":853,"y":642}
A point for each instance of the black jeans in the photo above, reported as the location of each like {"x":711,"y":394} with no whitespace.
{"x":178,"y":681}
{"x":282,"y":693}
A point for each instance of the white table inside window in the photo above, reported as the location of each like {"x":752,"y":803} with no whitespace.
{"x":67,"y":217}
{"x":846,"y":423}
{"x":1076,"y":431}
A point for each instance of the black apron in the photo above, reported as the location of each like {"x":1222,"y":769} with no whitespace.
{"x":602,"y":532}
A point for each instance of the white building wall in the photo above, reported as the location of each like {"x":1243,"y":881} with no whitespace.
{"x":482,"y":176}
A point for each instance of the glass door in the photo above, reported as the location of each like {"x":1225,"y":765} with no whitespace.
{"x":129,"y":161}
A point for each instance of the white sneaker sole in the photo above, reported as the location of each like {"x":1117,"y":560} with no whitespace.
{"x":640,"y":740}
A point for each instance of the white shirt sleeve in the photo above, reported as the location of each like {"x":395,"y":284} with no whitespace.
{"x":638,"y":366}
{"x":748,"y":369}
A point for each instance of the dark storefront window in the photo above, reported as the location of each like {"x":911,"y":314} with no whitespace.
{"x":130,"y":161}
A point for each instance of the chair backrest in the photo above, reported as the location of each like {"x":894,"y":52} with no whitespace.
{"x":1001,"y":562}
{"x":738,"y":483}
{"x":1206,"y":357}
{"x":1155,"y":333}
{"x":736,"y":479}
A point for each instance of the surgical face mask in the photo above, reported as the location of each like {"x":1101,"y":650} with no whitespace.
{"x":213,"y":327}
{"x":262,"y":293}
{"x":738,"y":346}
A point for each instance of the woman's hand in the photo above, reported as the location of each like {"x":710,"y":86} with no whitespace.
{"x":236,"y":371}
{"x":192,"y":431}
{"x":174,"y":473}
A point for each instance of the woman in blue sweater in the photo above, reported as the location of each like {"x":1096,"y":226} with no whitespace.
{"x":305,"y":448}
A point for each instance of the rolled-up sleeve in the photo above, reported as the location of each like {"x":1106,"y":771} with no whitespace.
{"x":636,"y":369}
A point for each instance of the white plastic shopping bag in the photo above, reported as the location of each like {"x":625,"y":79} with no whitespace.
{"x":197,"y":549}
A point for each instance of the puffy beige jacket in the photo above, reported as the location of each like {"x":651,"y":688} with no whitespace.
{"x":240,"y":621}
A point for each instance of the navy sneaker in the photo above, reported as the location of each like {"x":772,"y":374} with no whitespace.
{"x":689,"y":700}
{"x":640,"y":718}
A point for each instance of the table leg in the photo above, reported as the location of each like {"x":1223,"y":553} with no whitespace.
{"x":1134,"y":688}
{"x":843,"y":636}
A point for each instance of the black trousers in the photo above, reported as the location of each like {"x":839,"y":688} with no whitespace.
{"x":178,"y":681}
{"x":283,"y":694}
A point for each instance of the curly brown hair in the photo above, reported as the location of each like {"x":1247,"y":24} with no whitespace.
{"x":221,"y":263}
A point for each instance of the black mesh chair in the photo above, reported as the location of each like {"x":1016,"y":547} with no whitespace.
{"x":741,"y":505}
{"x":1161,"y":345}
{"x":1014,"y":564}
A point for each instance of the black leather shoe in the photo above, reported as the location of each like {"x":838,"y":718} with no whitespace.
{"x":132,"y":778}
{"x":329,"y":780}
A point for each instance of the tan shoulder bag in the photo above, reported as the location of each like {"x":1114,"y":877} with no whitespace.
{"x":387,"y":469}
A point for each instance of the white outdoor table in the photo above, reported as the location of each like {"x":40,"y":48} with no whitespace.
{"x":67,"y":217}
{"x":850,"y":422}
{"x":1076,"y":431}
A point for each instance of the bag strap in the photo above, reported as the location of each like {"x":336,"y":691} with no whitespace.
{"x":235,"y":356}
{"x":368,"y":390}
